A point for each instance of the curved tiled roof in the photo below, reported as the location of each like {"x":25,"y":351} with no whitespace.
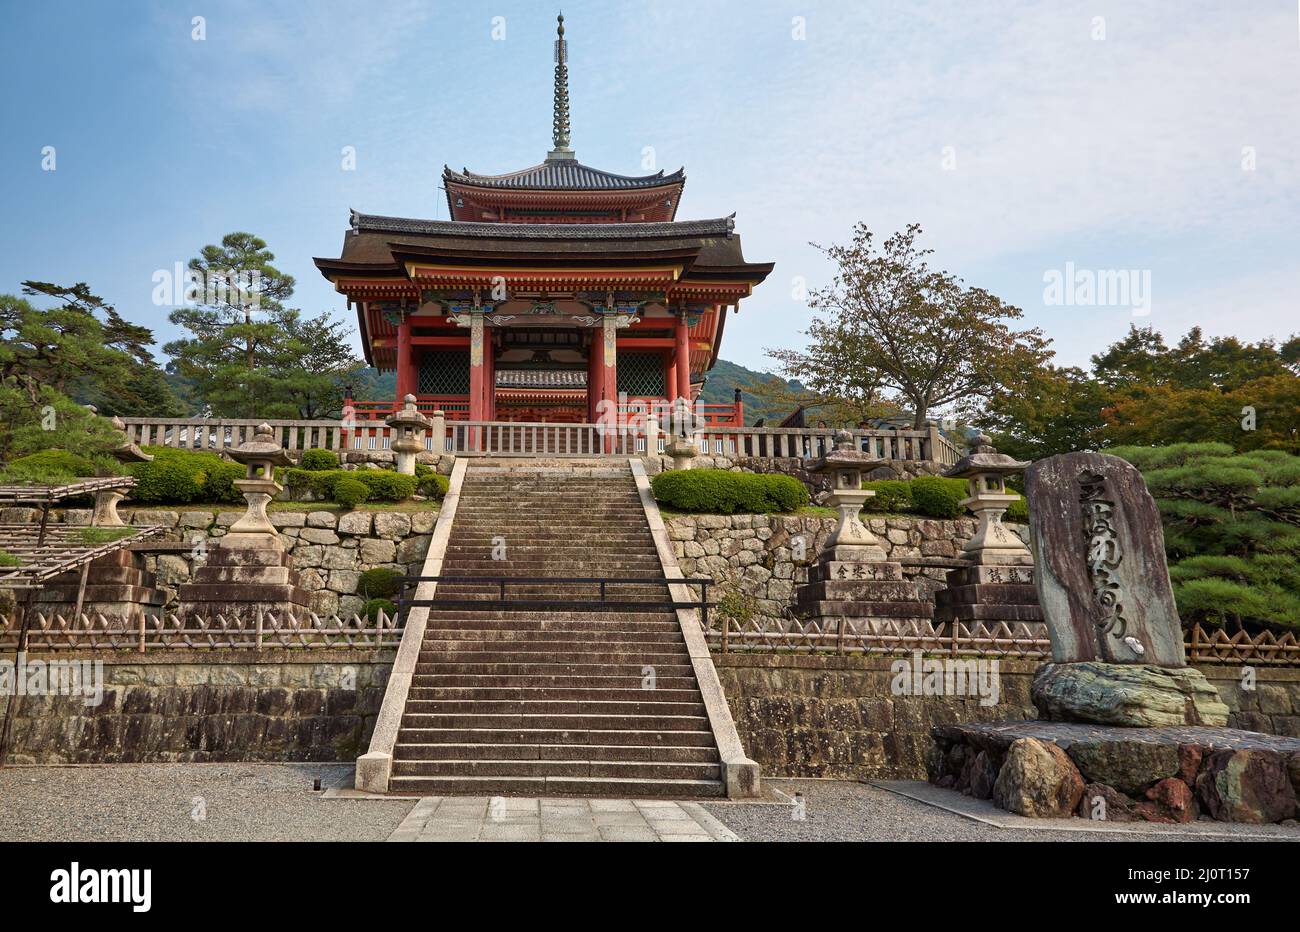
{"x":720,"y":226}
{"x":563,"y":175}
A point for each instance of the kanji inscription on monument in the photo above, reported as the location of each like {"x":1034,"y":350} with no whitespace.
{"x":1102,"y":578}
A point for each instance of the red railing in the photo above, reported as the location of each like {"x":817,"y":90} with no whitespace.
{"x":455,"y":407}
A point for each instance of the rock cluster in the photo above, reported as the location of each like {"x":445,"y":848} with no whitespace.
{"x":1170,"y":774}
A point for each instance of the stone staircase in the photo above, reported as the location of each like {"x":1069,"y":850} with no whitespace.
{"x":553,"y":701}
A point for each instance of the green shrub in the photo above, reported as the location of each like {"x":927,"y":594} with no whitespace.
{"x":433,"y":486}
{"x":8,"y":559}
{"x":892,"y":496}
{"x":379,"y":583}
{"x":719,"y":491}
{"x":94,"y":536}
{"x":49,"y":467}
{"x":384,"y":485}
{"x":319,"y":460}
{"x":350,"y":492}
{"x":177,"y":476}
{"x":373,"y":607}
{"x":1018,"y":511}
{"x":936,"y":497}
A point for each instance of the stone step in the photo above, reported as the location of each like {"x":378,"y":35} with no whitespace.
{"x":551,"y":636}
{"x":546,"y":694}
{"x":567,"y":737}
{"x":556,"y":707}
{"x":487,"y":767}
{"x":591,"y":787}
{"x":572,"y":647}
{"x":629,"y":672}
{"x":580,"y":720}
{"x":459,"y":679}
{"x":492,"y":613}
{"x":601,"y":752}
{"x":474,"y":654}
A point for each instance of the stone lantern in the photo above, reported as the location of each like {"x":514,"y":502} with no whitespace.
{"x":409,"y":427}
{"x":853,"y":586}
{"x":106,"y":501}
{"x":845,"y":465}
{"x":986,"y":470}
{"x":680,"y":446}
{"x":260,"y":456}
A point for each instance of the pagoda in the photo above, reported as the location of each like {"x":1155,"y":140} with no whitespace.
{"x":557,"y":293}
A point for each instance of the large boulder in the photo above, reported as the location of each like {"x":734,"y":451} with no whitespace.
{"x":1246,"y":786}
{"x":1133,"y":695}
{"x":1128,"y":766}
{"x":1102,"y":803}
{"x":1170,"y":800}
{"x":1039,"y":780}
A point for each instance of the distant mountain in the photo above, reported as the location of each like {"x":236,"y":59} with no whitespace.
{"x":726,"y":377}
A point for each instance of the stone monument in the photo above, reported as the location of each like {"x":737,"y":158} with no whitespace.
{"x":409,"y":427}
{"x":249,"y":570}
{"x":998,"y":585}
{"x":851,"y":577}
{"x":1102,"y":580}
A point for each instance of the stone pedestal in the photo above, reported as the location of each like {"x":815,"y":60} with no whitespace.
{"x":1136,"y":695}
{"x":117,"y":587}
{"x":998,"y":585}
{"x":106,"y":503}
{"x":988,"y":594}
{"x":245,"y":574}
{"x":851,"y":578}
{"x":249,"y":571}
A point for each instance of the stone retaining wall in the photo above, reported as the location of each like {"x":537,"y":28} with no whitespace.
{"x":836,"y":716}
{"x":757,"y":553}
{"x":277,"y":705}
{"x":331,"y":550}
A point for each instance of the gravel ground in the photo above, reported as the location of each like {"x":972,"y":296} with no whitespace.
{"x":843,"y":811}
{"x":154,"y":802}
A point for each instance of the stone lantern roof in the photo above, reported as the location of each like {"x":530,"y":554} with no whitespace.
{"x":984,"y":459}
{"x":128,"y":452}
{"x":844,"y":455}
{"x":263,"y":448}
{"x":408,"y":416}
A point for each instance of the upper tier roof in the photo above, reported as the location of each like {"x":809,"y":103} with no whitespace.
{"x":564,"y":175}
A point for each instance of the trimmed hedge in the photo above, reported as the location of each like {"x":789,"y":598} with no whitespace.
{"x":1018,"y":511}
{"x":373,"y":607}
{"x":319,"y":460}
{"x":433,"y":486}
{"x":936,"y":497}
{"x":382,"y":485}
{"x":49,"y":467}
{"x":892,"y":495}
{"x":719,"y":491}
{"x":350,"y":492}
{"x":178,"y":476}
{"x":930,"y":496}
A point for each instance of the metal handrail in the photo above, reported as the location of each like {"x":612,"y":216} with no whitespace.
{"x":604,"y":603}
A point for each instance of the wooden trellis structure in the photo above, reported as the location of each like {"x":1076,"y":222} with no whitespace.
{"x":44,"y":552}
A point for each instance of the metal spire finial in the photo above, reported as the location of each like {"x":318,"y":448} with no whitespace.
{"x":560,"y":129}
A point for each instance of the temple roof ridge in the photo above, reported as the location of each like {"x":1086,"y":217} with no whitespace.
{"x":717,"y":226}
{"x":564,"y":175}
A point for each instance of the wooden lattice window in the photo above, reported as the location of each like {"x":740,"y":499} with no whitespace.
{"x":444,"y":372}
{"x":641,"y":375}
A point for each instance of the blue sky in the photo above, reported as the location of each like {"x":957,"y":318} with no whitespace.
{"x":1021,"y":135}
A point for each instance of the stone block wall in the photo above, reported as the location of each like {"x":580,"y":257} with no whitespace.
{"x":802,"y":715}
{"x":199,"y":706}
{"x":756,"y":553}
{"x":330,"y":549}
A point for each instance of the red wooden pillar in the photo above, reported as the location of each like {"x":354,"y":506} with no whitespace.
{"x":490,"y":380}
{"x":406,"y":378}
{"x":682,"y":357}
{"x":477,"y":370}
{"x":594,"y":369}
{"x":670,"y":376}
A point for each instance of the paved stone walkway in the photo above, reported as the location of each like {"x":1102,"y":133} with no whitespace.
{"x":504,"y":818}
